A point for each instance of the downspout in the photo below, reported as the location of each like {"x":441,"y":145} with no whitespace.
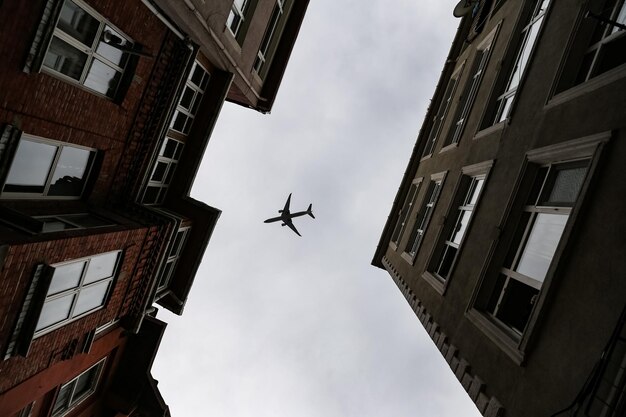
{"x":222,"y":48}
{"x":166,"y":21}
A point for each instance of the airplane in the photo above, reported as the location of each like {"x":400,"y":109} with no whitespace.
{"x":286,"y":216}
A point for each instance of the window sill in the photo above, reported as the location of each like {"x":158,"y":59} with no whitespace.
{"x":501,"y":339}
{"x":232,"y":40}
{"x":393,"y":246}
{"x":425,"y":157}
{"x":437,"y":283}
{"x":449,"y":147}
{"x":492,"y":130}
{"x":587,"y":87}
{"x":410,"y":259}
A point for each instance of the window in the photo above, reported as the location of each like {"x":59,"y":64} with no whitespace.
{"x":163,"y":171}
{"x":471,"y":89}
{"x":237,"y":21}
{"x":529,"y":36}
{"x":404,"y":214}
{"x":71,"y":221}
{"x":608,"y":42}
{"x":84,"y":49}
{"x":77,"y":288}
{"x":190,"y":99}
{"x":441,"y":113}
{"x":597,"y":46}
{"x":271,"y":37}
{"x":77,"y":390}
{"x":453,"y":233}
{"x":554,"y":192}
{"x":424,"y":215}
{"x":523,"y":260}
{"x":45,"y":168}
{"x":174,"y":251}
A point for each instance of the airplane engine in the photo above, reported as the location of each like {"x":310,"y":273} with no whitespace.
{"x":283,"y":224}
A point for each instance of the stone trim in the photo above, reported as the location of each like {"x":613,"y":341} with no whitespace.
{"x":489,"y":406}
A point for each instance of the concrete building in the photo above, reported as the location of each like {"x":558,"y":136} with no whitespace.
{"x":507,"y":232}
{"x":106,"y":109}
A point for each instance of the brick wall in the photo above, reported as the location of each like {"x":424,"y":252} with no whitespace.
{"x":55,"y":346}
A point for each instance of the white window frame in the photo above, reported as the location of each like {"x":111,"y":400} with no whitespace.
{"x":76,"y":292}
{"x":174,"y":252}
{"x":237,"y":14}
{"x":472,"y":85}
{"x":505,"y":102}
{"x":89,"y":50}
{"x":405,"y":212}
{"x":171,"y":163}
{"x":442,"y":112}
{"x":423,"y":216}
{"x":271,"y":36}
{"x":461,"y":204}
{"x":73,"y":402}
{"x":198,"y":91}
{"x":610,"y":34}
{"x":53,"y":167}
{"x":510,"y":342}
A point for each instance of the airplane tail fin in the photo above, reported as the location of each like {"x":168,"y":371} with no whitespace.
{"x":309,"y":212}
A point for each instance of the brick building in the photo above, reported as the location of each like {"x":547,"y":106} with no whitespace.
{"x":507,"y":231}
{"x":106,"y":109}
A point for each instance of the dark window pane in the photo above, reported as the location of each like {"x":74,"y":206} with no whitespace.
{"x":77,"y":23}
{"x":187,"y":98}
{"x":70,"y":172}
{"x":64,"y":58}
{"x":516,"y":305}
{"x":151,"y":195}
{"x":159,"y":171}
{"x":449,"y":253}
{"x":567,"y":184}
{"x":63,"y":398}
{"x":88,"y":220}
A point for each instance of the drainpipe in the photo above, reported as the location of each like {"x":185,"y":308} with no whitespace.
{"x":222,"y":48}
{"x":166,"y":21}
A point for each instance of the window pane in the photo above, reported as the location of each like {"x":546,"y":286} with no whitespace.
{"x":446,"y":261}
{"x":54,"y":311}
{"x":114,"y":55}
{"x":187,"y":98}
{"x":54,"y":225}
{"x":63,"y":397}
{"x":151,"y":195}
{"x":477,"y":185}
{"x":102,"y":78}
{"x":68,"y":176}
{"x":78,"y":23}
{"x":168,"y":148}
{"x":541,"y":244}
{"x":88,"y":220}
{"x":91,"y":297}
{"x":159,"y":171}
{"x":30,"y":167}
{"x":64,"y":58}
{"x":460,"y":227}
{"x":100,"y":267}
{"x":66,"y":277}
{"x":85,"y":383}
{"x":517,"y":304}
{"x":198,"y":75}
{"x":566,"y":186}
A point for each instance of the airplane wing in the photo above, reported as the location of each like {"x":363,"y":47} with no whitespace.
{"x":286,"y":208}
{"x":292,"y":227}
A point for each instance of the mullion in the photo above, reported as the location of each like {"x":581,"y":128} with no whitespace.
{"x":53,"y":167}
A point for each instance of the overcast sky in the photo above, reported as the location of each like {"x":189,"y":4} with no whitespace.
{"x":284,"y":326}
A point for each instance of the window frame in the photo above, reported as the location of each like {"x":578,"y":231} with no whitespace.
{"x":457,"y":205}
{"x":271,"y":37}
{"x":514,"y":345}
{"x":423,"y":216}
{"x":471,"y":89}
{"x":67,"y":219}
{"x":439,"y":118}
{"x":566,"y":85}
{"x":168,"y":268}
{"x":199,"y":91}
{"x":170,"y":169}
{"x":497,"y":105}
{"x":89,"y":50}
{"x":93,"y":153}
{"x":73,"y":403}
{"x":80,"y":286}
{"x":405,"y":212}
